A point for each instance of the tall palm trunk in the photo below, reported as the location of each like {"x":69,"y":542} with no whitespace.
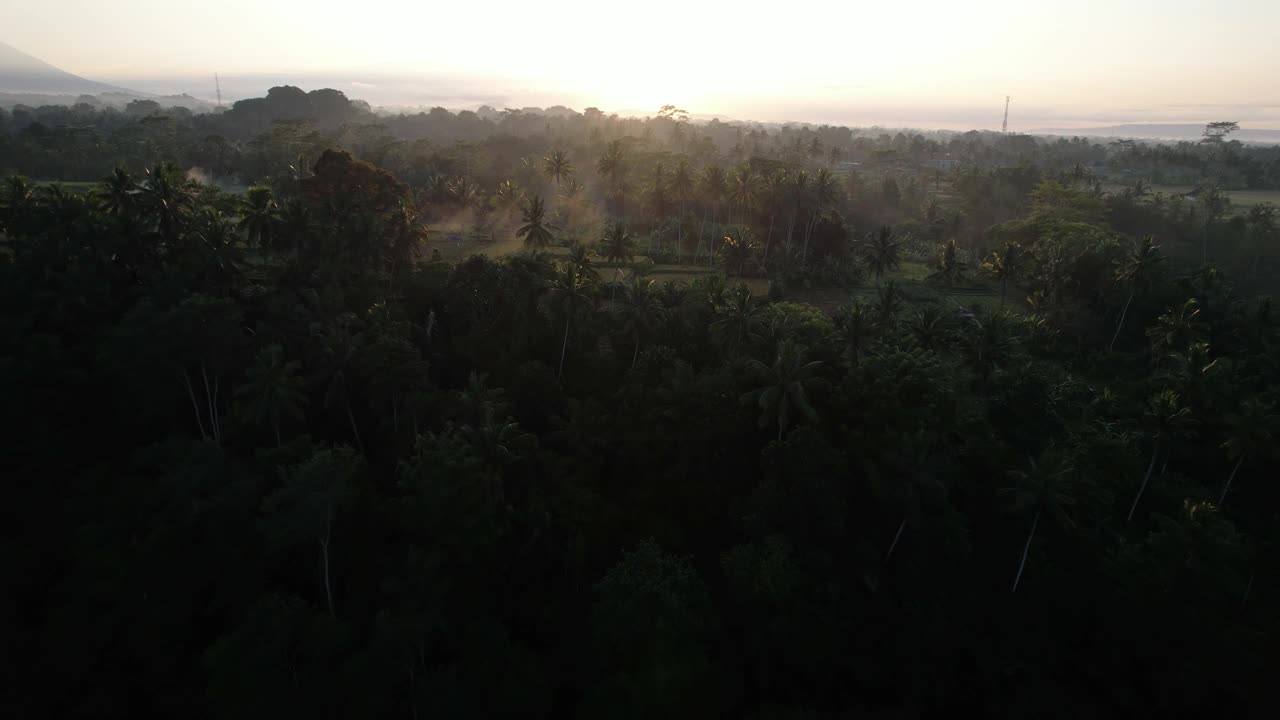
{"x":636,"y":355}
{"x":1026,"y":549}
{"x":1124,"y":311}
{"x":768,"y":238}
{"x":896,"y":537}
{"x":1222,"y":498}
{"x":1143,"y":487}
{"x":324,"y":555}
{"x":195,"y":406}
{"x":563,"y":347}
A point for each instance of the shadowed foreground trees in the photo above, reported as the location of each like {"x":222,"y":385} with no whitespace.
{"x":267,"y":458}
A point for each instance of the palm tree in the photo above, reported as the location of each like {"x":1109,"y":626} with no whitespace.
{"x":1249,"y":435}
{"x":165,"y":199}
{"x":738,"y":250}
{"x":535,"y":231}
{"x":611,"y":165}
{"x":617,"y":247}
{"x":1135,"y":270}
{"x":1043,"y":487}
{"x":681,"y":187}
{"x":784,"y":387}
{"x":798,"y":189}
{"x":1165,"y":418}
{"x":273,"y":390}
{"x":990,"y":342}
{"x":743,"y":190}
{"x":1177,"y":329}
{"x":714,"y":186}
{"x":640,"y":311}
{"x":567,"y":294}
{"x":950,"y":268}
{"x":508,"y":195}
{"x":882,"y":252}
{"x":887,"y":304}
{"x":773,"y":189}
{"x":116,"y":195}
{"x":557,"y":166}
{"x":258,"y":216}
{"x":823,"y":194}
{"x":1005,"y":266}
{"x":930,"y":326}
{"x":739,"y":320}
{"x":856,"y":325}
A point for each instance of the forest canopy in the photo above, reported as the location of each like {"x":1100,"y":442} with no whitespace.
{"x":316,"y":411}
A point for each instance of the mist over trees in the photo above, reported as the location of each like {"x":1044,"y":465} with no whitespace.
{"x":539,"y":413}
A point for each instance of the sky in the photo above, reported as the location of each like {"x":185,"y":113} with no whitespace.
{"x":927,"y":63}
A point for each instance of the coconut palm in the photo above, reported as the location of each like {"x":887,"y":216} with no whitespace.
{"x":930,"y":327}
{"x":1005,"y":266}
{"x":259,"y":216}
{"x":713,"y":186}
{"x":640,"y":310}
{"x":508,"y":195}
{"x":882,"y":252}
{"x":681,"y":188}
{"x":165,"y":199}
{"x":117,"y":194}
{"x":822,"y":194}
{"x":1043,"y":487}
{"x":738,"y":249}
{"x":617,"y":247}
{"x":798,"y":192}
{"x":784,"y":387}
{"x":1249,"y":434}
{"x":611,"y":166}
{"x":951,"y":269}
{"x":1177,"y":329}
{"x":557,"y":167}
{"x":739,"y":319}
{"x":773,"y":189}
{"x":1165,"y":418}
{"x":273,"y":390}
{"x":566,"y":292}
{"x":1135,"y":270}
{"x":744,"y":189}
{"x":535,"y":232}
{"x":856,"y":324}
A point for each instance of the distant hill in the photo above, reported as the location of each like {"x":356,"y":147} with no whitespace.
{"x":1160,"y":132}
{"x":22,"y":74}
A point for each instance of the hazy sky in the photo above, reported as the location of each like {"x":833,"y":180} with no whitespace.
{"x":935,"y":62}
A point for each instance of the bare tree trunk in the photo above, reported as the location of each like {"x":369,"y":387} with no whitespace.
{"x":1123,"y":312}
{"x":355,"y":430}
{"x":1026,"y":549}
{"x":213,"y":417}
{"x":768,"y":238}
{"x":636,"y":355}
{"x":563,"y":347}
{"x":1223,"y":497}
{"x":1143,"y":487}
{"x":324,"y":554}
{"x":896,"y":537}
{"x":195,"y":407}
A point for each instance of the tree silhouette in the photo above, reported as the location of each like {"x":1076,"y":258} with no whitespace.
{"x":1135,"y":270}
{"x":1165,"y":418}
{"x":640,"y":311}
{"x":1249,"y":434}
{"x":784,"y":387}
{"x":535,"y":232}
{"x":1005,"y":265}
{"x":1044,"y":487}
{"x":557,"y":166}
{"x":273,"y":390}
{"x":567,"y":294}
{"x":882,"y":252}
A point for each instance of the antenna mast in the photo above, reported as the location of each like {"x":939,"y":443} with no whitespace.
{"x":217,"y":84}
{"x":1004,"y":129}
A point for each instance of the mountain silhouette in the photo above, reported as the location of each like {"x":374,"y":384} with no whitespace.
{"x":22,"y":73}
